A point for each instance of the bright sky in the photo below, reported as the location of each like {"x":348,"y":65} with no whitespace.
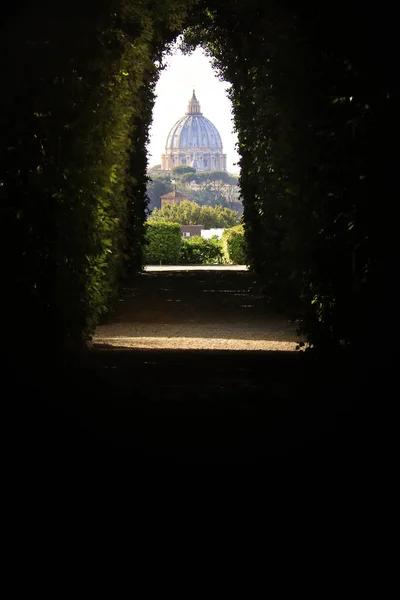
{"x":174,"y":90}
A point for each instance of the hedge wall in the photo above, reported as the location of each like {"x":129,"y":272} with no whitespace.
{"x":165,"y":245}
{"x":74,"y":118}
{"x":201,"y":251}
{"x":162,"y":243}
{"x":234,"y":245}
{"x":314,"y":107}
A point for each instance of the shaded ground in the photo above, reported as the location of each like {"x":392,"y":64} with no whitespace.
{"x":187,"y":310}
{"x":188,"y":407}
{"x":194,"y":406}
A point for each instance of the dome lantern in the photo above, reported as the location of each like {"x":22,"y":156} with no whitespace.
{"x":193,"y":106}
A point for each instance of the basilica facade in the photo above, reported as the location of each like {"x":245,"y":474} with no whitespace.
{"x":194,"y":141}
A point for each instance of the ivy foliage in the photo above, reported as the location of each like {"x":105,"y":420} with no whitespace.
{"x":313,"y":104}
{"x":74,"y":125}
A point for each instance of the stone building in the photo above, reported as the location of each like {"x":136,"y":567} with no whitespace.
{"x":194,"y":141}
{"x":173,"y":198}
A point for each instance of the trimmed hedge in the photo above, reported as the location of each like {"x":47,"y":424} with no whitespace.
{"x":74,"y":121}
{"x":165,"y":245}
{"x":234,"y":245}
{"x":198,"y":250}
{"x":162,"y":243}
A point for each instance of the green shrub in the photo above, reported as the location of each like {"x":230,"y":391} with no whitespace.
{"x":191,"y":213}
{"x":234,"y":246}
{"x":198,"y":250}
{"x":162,"y":243}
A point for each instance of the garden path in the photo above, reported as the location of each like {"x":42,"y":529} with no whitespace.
{"x":187,"y":308}
{"x":180,"y":373}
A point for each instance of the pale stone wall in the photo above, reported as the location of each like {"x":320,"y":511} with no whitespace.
{"x":209,"y":233}
{"x":206,"y":159}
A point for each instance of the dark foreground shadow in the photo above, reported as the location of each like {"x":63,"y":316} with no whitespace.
{"x":158,"y":407}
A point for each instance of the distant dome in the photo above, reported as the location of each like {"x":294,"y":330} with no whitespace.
{"x":193,"y":131}
{"x":194,"y":141}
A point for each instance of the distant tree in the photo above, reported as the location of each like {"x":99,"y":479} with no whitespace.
{"x":157,"y":186}
{"x":216,"y":177}
{"x":190,"y":213}
{"x":206,"y":196}
{"x":216,"y":188}
{"x":187,"y":178}
{"x":182,"y":170}
{"x":231,"y":195}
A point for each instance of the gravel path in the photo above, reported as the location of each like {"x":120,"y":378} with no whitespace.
{"x":207,"y":309}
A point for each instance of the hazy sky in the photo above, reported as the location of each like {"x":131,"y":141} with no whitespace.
{"x":174,"y":90}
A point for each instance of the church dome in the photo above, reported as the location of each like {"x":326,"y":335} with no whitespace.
{"x":193,"y":131}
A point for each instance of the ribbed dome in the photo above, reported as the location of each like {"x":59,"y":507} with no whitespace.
{"x":193,"y":131}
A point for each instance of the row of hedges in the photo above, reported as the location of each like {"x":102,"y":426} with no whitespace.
{"x":165,"y":245}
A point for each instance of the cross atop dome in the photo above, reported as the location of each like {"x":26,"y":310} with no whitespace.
{"x":194,"y":105}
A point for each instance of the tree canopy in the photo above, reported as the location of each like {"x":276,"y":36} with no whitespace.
{"x":212,"y":188}
{"x":182,"y":170}
{"x":190,"y":213}
{"x":157,"y":186}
